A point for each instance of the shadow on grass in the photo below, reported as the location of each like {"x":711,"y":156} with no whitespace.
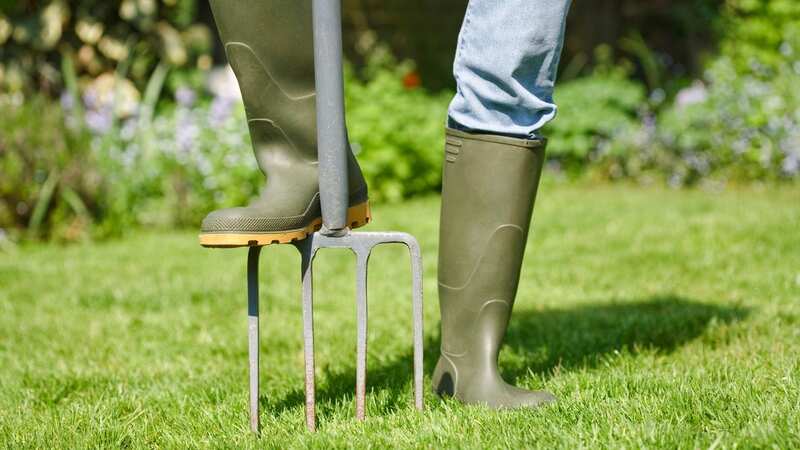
{"x":583,"y":336}
{"x":569,"y":339}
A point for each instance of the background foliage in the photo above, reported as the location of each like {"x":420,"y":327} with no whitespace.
{"x":112,"y":117}
{"x":131,"y":36}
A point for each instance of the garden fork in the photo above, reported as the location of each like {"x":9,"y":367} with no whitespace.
{"x":335,"y":233}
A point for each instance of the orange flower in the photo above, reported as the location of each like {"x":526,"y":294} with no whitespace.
{"x":411,"y":80}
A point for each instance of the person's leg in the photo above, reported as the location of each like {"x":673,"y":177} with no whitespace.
{"x":269,"y":44}
{"x":505,"y":68}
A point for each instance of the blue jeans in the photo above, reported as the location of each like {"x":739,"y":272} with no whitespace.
{"x":505,"y":66}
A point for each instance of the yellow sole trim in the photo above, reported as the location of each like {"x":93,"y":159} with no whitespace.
{"x":357,"y":216}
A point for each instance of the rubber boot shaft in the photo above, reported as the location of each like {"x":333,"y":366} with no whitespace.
{"x":488,"y":193}
{"x":269,"y":45}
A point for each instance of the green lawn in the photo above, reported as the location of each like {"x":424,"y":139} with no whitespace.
{"x":659,"y":318}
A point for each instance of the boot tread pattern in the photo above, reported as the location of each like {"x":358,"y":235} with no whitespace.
{"x":357,"y":216}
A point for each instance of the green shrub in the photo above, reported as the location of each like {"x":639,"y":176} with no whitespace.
{"x":747,"y":128}
{"x":727,"y":128}
{"x":592,"y":112}
{"x":99,"y":164}
{"x":49,"y":184}
{"x":741,"y":122}
{"x":103,"y":162}
{"x":397,"y":128}
{"x":127,"y":36}
{"x":171,"y":172}
{"x":758,"y":36}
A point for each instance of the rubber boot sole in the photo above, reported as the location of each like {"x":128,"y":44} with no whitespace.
{"x":357,"y":216}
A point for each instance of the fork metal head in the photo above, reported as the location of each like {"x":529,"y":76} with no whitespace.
{"x":361,"y":244}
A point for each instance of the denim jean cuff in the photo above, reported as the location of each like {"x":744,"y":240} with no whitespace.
{"x":451,"y":123}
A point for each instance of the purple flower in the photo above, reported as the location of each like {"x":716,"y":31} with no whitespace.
{"x":697,"y":162}
{"x":696,"y":93}
{"x":675,"y":180}
{"x":99,"y":121}
{"x":220,"y":110}
{"x":786,"y":49}
{"x":649,"y":122}
{"x":186,"y":133}
{"x":185,"y":97}
{"x":791,"y":164}
{"x":657,"y":96}
{"x":128,"y":130}
{"x":67,"y":101}
{"x":90,"y":99}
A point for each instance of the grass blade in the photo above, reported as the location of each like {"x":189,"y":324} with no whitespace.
{"x":43,"y":202}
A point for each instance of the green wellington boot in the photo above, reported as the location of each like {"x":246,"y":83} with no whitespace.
{"x":269,"y":44}
{"x":488,"y":192}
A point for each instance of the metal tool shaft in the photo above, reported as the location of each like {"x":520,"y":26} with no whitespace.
{"x":331,"y":129}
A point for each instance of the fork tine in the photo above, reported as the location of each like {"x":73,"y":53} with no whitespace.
{"x":362,"y":259}
{"x":307,"y":256}
{"x":252,"y":333}
{"x":416,"y":292}
{"x":361,"y":244}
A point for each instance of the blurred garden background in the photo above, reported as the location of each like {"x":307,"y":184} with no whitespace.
{"x":118,"y":114}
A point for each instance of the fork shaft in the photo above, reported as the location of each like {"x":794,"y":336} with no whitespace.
{"x":331,"y":131}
